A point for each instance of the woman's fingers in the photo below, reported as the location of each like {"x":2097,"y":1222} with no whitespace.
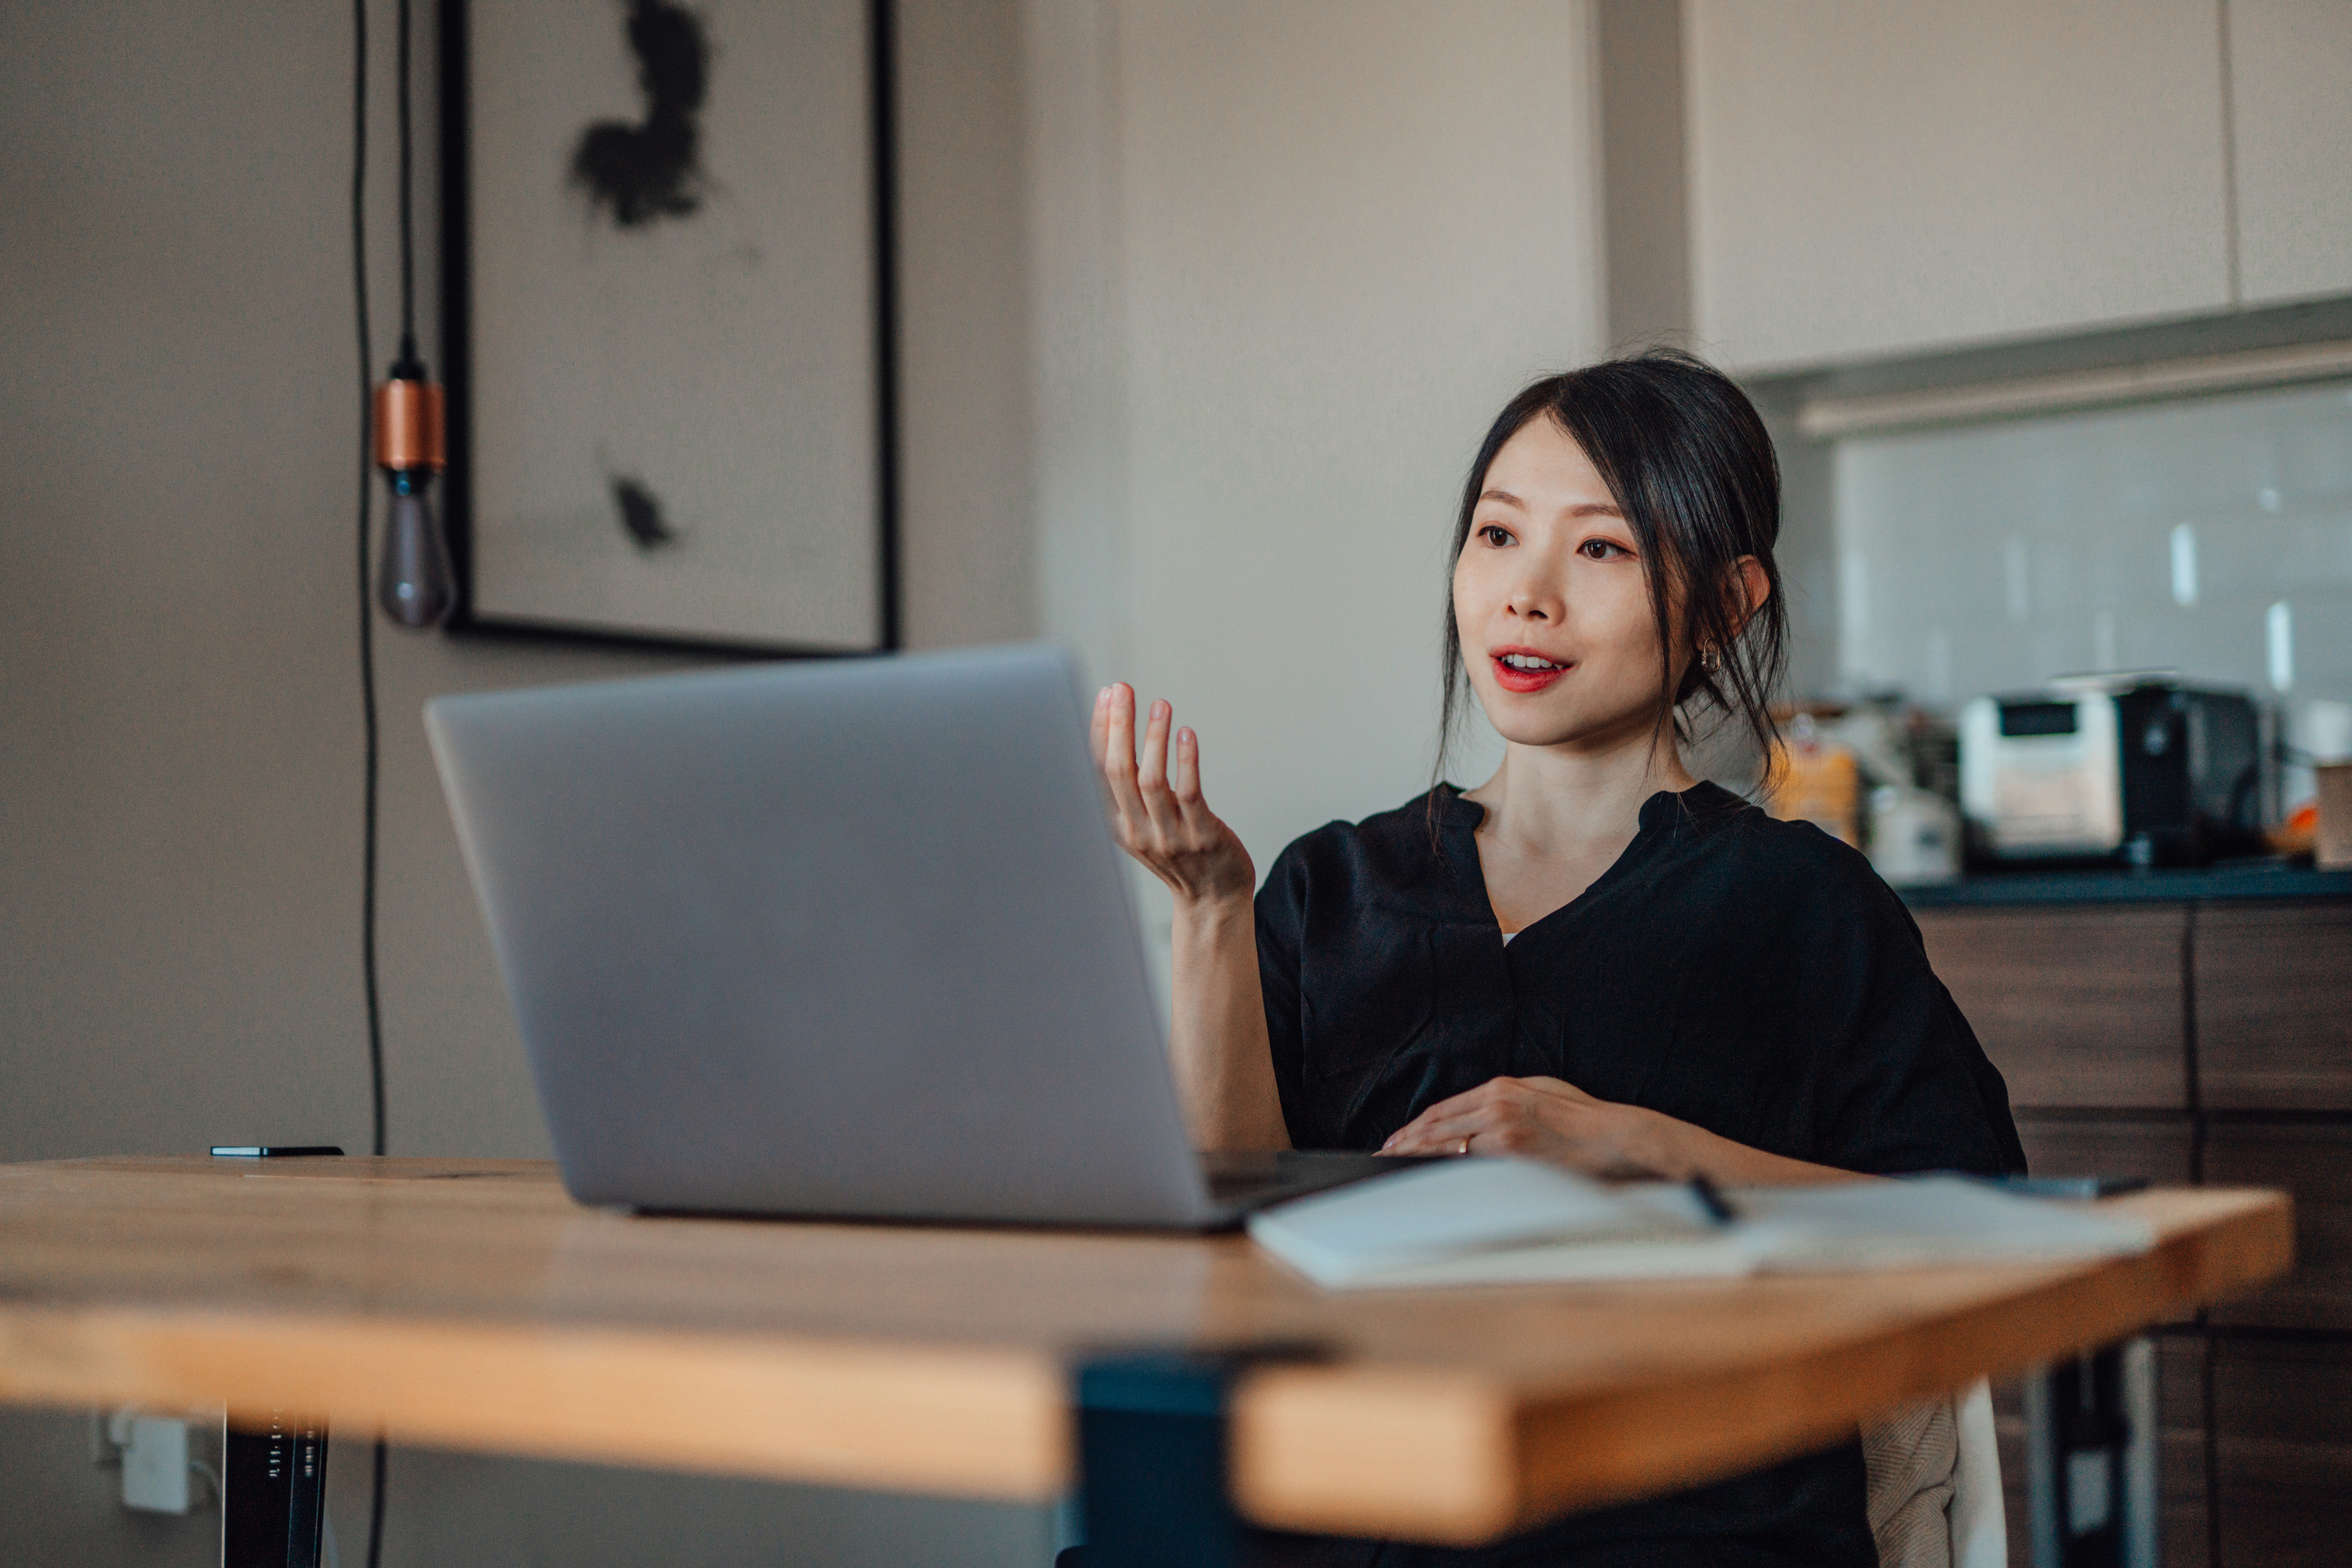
{"x":1460,"y":1135}
{"x":1098,"y":727}
{"x":1559,"y":1089}
{"x":1437,"y":1125}
{"x":1151,"y":775}
{"x":1186,"y":778}
{"x":1098,"y":743}
{"x":1467,"y":1103}
{"x":1151,"y":757}
{"x":1153,"y":798}
{"x":1119,"y":759}
{"x":1117,"y":712}
{"x":1184,"y":782}
{"x":1497,"y":1106}
{"x":1405,"y":1138}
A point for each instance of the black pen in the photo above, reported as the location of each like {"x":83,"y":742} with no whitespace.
{"x":1710,"y":1198}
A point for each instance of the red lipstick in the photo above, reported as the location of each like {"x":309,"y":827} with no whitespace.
{"x":1514,"y":677}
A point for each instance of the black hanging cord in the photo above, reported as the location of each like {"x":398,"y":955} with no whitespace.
{"x":408,"y":228}
{"x":367,"y":622}
{"x":376,"y":1510}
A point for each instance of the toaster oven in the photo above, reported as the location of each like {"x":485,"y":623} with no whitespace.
{"x":2150,"y":770}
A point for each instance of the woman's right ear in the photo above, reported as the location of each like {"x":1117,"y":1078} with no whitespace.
{"x":1749,"y":587}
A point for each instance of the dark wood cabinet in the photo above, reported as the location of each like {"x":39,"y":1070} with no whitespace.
{"x":2274,"y":988}
{"x":2077,"y":1006}
{"x":2161,"y":1149}
{"x":2283,"y":1453}
{"x":2313,"y":1161}
{"x":2205,"y":1039}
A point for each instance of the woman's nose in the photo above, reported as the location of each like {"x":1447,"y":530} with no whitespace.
{"x":1531,"y":603}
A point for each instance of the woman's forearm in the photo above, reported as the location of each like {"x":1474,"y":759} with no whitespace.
{"x":1738,"y":1165}
{"x":1216,"y":1037}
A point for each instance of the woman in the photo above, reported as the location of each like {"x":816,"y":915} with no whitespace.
{"x":1591,"y":957}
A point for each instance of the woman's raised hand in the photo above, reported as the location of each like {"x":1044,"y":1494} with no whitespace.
{"x":1155,"y":812}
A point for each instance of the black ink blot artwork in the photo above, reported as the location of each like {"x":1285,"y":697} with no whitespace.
{"x":651,"y":170}
{"x":641,"y":516}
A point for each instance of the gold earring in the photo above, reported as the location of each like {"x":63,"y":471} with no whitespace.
{"x":1710,"y":659}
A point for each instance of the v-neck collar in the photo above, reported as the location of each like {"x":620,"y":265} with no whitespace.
{"x":1661,"y":814}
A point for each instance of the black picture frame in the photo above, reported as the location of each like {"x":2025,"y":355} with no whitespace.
{"x":456,"y":349}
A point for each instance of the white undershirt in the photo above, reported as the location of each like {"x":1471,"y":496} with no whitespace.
{"x":1507,"y":936}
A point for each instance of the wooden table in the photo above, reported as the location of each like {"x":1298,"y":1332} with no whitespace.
{"x":470,"y":1304}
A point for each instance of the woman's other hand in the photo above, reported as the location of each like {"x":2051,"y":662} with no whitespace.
{"x":1155,"y":812}
{"x":1545,"y":1119}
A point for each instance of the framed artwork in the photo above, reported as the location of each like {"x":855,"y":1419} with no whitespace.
{"x":667,"y":321}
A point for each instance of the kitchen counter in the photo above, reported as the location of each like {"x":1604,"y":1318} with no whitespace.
{"x":2229,"y":880}
{"x":2193,"y":1027}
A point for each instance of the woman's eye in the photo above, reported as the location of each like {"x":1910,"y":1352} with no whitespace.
{"x":1601,"y":550}
{"x":1495,"y":533}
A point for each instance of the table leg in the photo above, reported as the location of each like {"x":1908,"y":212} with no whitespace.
{"x":2091,"y":1459}
{"x":273,"y":1491}
{"x":1151,"y":1458}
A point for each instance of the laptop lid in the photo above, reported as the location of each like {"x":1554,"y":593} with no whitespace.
{"x":846,"y":939}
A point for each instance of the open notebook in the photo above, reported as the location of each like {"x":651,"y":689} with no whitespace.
{"x":1494,"y":1221}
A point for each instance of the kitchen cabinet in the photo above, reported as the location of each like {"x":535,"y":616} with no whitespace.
{"x":2156,"y":1148}
{"x":2077,"y":1007}
{"x":2283,"y":1453}
{"x":2313,"y":1161}
{"x":2160,"y":1149}
{"x":2193,"y":1025}
{"x":2274,"y":1007}
{"x":1870,"y":177}
{"x":2291,"y":120}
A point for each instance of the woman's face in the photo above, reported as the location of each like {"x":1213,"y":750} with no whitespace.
{"x":1552,"y":599}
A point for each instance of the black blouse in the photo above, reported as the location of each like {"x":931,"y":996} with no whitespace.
{"x":1752,"y":976}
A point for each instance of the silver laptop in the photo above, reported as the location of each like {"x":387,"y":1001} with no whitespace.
{"x":843,"y":939}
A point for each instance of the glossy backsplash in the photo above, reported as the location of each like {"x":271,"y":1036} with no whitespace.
{"x":2211,"y":536}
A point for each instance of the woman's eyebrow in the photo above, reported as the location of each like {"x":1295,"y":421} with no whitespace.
{"x":1590,"y":509}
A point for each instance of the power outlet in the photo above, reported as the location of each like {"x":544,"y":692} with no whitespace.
{"x":155,"y":1468}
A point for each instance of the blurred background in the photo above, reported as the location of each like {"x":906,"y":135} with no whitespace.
{"x":1202,"y":307}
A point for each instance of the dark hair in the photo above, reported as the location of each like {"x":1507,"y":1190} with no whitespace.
{"x":1692,"y":470}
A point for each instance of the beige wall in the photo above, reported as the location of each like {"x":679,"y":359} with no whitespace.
{"x":182,"y":723}
{"x":969,"y":571}
{"x":180,"y":738}
{"x":1291,"y":260}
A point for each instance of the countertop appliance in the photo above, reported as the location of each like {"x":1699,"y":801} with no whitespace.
{"x":2138,"y":766}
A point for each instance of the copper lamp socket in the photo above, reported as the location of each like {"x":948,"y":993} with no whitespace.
{"x":408,"y":425}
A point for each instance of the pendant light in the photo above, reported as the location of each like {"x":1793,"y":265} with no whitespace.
{"x":414,"y":585}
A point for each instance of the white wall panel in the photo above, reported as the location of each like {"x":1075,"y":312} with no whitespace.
{"x":1871,"y":177}
{"x":2291,"y":102}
